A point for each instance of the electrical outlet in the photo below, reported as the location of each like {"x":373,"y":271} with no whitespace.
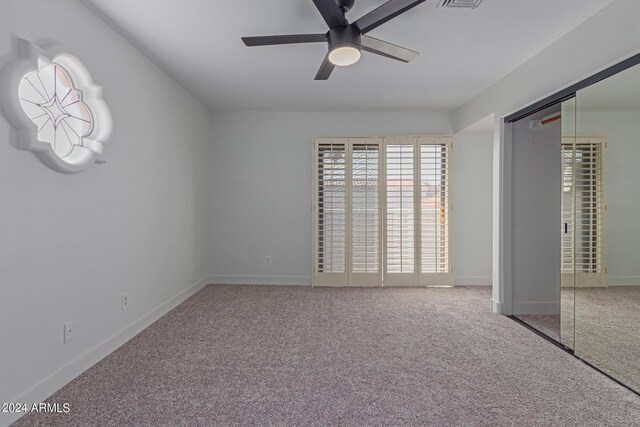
{"x":69,"y":331}
{"x":268,"y":260}
{"x":124,"y":301}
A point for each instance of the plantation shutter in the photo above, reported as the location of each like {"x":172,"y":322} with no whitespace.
{"x":400,"y":214}
{"x":435,"y":215}
{"x":583,"y":211}
{"x":331,"y":212}
{"x":382,"y":212}
{"x":417,"y":215}
{"x":365,"y":230}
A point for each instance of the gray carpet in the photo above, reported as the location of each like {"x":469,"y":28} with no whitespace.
{"x":607,"y":330}
{"x":268,"y":355}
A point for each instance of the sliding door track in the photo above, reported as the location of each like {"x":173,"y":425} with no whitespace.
{"x":571,"y":352}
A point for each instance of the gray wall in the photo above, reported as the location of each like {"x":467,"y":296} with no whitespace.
{"x":70,"y":245}
{"x":471,"y":178}
{"x":261,"y":187}
{"x":536,"y":217}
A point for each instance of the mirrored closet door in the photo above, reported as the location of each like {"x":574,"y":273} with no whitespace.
{"x":575,"y":211}
{"x":605,"y":192}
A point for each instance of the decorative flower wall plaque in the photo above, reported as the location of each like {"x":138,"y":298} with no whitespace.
{"x":56,"y":109}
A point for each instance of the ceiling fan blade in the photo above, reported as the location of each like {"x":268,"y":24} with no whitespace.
{"x":325,"y":69}
{"x":389,"y":50}
{"x":384,"y":13}
{"x":286,"y":39}
{"x":331,"y":13}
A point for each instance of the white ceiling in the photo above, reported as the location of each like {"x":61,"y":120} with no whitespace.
{"x":463,"y":52}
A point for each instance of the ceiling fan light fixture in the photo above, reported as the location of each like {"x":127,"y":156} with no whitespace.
{"x":344,"y":55}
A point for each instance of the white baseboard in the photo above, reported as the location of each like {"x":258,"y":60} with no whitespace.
{"x":496,"y":306}
{"x":472,"y":281}
{"x":260,"y":280}
{"x":306,"y":280}
{"x":40,"y":391}
{"x":541,"y":307}
{"x":623,"y":280}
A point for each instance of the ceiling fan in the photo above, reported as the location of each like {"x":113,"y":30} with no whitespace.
{"x":347,"y":40}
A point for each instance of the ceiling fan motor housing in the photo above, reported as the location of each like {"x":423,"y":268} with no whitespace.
{"x":344,"y":36}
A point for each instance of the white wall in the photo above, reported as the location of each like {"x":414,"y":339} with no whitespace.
{"x":471,"y":169}
{"x":622,"y":175}
{"x":261,"y":190}
{"x":536,"y":217}
{"x":70,"y":245}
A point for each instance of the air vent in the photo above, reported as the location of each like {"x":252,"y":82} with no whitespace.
{"x":460,"y":4}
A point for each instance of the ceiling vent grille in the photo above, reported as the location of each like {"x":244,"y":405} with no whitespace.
{"x":460,"y":4}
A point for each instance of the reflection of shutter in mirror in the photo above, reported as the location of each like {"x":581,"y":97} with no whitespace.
{"x":582,"y":205}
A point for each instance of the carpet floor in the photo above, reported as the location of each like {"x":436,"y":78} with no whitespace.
{"x":276,"y":355}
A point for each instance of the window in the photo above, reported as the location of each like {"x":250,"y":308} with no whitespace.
{"x":49,"y":99}
{"x":382,"y":211}
{"x":55,"y":108}
{"x":583,"y":210}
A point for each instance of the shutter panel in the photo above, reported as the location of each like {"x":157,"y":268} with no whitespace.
{"x":583,"y":211}
{"x":435,"y":218}
{"x":382,"y":213}
{"x":366,"y":242}
{"x":400,"y":214}
{"x":331,"y":212}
